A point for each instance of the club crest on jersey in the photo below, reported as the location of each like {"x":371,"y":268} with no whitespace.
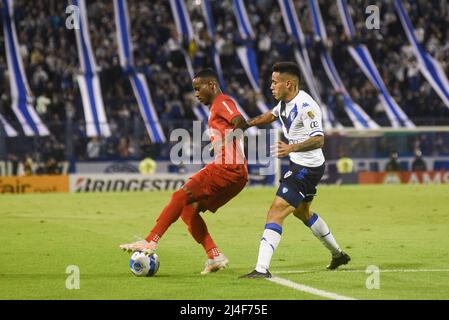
{"x":288,"y":174}
{"x":311,"y":114}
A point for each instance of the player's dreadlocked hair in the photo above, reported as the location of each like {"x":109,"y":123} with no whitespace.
{"x":288,"y":67}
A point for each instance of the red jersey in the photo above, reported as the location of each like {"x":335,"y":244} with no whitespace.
{"x":222,"y":112}
{"x":220,"y":181}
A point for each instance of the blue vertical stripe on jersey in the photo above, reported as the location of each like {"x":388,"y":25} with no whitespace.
{"x":292,"y":116}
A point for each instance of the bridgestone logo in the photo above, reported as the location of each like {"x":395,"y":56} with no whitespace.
{"x":86,"y":184}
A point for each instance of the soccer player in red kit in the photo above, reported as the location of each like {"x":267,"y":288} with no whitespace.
{"x":215,"y":184}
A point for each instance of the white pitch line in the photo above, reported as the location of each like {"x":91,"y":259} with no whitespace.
{"x":307,"y":289}
{"x":363,"y":271}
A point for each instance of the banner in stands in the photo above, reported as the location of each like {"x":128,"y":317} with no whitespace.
{"x":34,"y":184}
{"x":125,"y":182}
{"x":107,"y":167}
{"x":429,"y":177}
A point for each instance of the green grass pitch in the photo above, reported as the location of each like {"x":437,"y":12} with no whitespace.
{"x":403,"y":230}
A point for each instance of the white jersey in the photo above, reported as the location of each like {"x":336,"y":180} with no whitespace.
{"x":301,"y":119}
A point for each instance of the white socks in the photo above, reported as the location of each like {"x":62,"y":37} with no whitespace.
{"x":321,"y":231}
{"x":272,"y":236}
{"x":269,"y":242}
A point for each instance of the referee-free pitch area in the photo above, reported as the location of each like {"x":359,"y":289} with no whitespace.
{"x":403,"y":231}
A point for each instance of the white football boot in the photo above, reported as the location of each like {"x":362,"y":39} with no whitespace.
{"x":142,"y":245}
{"x":215,"y":264}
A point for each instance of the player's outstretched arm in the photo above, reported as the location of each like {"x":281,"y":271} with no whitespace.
{"x":240,"y":123}
{"x":282,"y":149}
{"x":263,"y":119}
{"x":312,"y":143}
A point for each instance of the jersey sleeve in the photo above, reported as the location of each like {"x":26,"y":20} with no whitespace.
{"x":228,"y":110}
{"x":311,"y":117}
{"x":275,"y":111}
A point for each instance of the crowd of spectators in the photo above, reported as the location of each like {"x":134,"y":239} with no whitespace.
{"x":394,"y":57}
{"x":50,"y":58}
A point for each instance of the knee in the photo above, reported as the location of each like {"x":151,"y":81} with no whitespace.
{"x":275,"y":215}
{"x":304,"y":215}
{"x":180,"y":196}
{"x":186,"y":217}
{"x":279,"y":210}
{"x":189,"y":212}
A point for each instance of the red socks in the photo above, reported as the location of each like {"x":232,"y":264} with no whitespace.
{"x":198,"y":229}
{"x":170,"y":214}
{"x":212,"y":253}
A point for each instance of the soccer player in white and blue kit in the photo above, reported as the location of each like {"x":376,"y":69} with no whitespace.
{"x":302,"y":126}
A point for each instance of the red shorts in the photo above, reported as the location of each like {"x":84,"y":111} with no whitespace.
{"x":214,"y":185}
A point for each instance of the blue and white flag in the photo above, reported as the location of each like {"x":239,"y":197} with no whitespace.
{"x":207,"y":13}
{"x":294,"y":30}
{"x":123,"y":34}
{"x":86,"y":56}
{"x":346,"y":19}
{"x":9,"y":130}
{"x":138,"y":81}
{"x":248,"y":60}
{"x":357,"y":115}
{"x":429,"y":67}
{"x":88,"y":82}
{"x":247,"y":55}
{"x":363,"y":58}
{"x":395,"y":114}
{"x":94,"y":115}
{"x":208,"y":17}
{"x":243,"y":23}
{"x":21,"y":96}
{"x":146,"y":107}
{"x":185,"y":30}
{"x":182,"y":20}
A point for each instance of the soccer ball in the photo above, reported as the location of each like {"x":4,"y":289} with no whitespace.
{"x":143,"y":265}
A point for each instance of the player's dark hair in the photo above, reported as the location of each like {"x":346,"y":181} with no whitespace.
{"x":207,"y":73}
{"x":287,"y":67}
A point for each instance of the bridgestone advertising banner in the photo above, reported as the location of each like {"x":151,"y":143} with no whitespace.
{"x":125,"y":182}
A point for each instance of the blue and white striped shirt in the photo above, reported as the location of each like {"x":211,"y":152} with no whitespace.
{"x":301,"y":119}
